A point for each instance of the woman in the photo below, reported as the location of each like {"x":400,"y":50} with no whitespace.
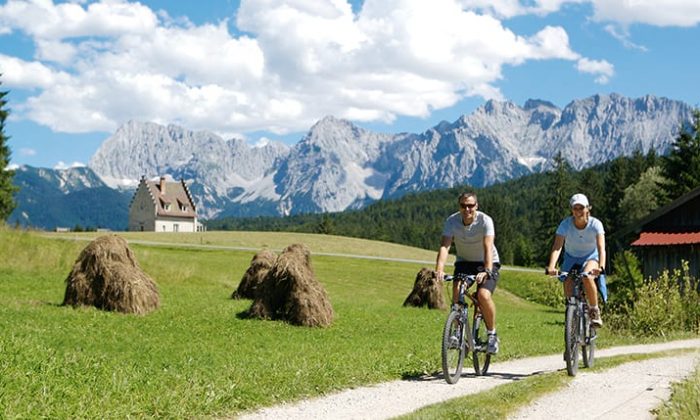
{"x":583,"y":239}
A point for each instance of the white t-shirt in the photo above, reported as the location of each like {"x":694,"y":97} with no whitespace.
{"x":580,"y":242}
{"x":469,"y":240}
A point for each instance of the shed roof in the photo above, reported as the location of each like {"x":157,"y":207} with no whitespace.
{"x":662,"y":238}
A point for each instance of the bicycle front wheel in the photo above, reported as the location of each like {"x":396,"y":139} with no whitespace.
{"x":571,"y":339}
{"x":479,"y":343}
{"x":453,"y":347}
{"x":588,"y":346}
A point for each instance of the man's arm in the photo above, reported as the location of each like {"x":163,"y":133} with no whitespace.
{"x":488,"y":258}
{"x":445,"y":243}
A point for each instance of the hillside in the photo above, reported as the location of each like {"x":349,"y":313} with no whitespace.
{"x":525,"y":211}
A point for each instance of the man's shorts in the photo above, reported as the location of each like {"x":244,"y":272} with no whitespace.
{"x":473,"y":268}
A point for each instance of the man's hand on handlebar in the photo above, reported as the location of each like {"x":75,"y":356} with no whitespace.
{"x":550,"y":271}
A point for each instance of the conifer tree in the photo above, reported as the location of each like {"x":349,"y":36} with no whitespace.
{"x":7,"y":189}
{"x":554,"y":205}
{"x":682,"y":165}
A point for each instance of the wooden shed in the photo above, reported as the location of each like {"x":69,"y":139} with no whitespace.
{"x":669,"y":235}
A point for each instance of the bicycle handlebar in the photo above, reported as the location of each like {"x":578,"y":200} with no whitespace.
{"x":563,"y":274}
{"x":462,"y":277}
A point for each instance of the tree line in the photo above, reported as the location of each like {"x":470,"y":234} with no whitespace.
{"x":526,"y":211}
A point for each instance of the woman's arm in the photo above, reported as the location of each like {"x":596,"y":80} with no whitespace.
{"x":554,"y":256}
{"x":602,"y":256}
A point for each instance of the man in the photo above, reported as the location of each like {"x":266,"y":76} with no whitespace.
{"x":473,"y":234}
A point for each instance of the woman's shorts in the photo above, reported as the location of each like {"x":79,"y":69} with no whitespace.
{"x":570,"y":261}
{"x":473,"y":268}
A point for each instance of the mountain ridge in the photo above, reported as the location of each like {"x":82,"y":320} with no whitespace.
{"x":338,"y":165}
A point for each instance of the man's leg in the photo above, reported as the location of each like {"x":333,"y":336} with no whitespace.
{"x":488,"y":308}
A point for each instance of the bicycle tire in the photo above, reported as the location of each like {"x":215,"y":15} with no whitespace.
{"x":481,"y":359}
{"x":588,"y":346}
{"x":453,"y":353}
{"x":571,"y":339}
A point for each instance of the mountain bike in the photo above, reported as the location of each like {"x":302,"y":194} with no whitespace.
{"x":579,"y":333}
{"x":458,"y":339}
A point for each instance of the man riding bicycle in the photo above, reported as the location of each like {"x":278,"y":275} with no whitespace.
{"x":473,"y":234}
{"x":583,"y":239}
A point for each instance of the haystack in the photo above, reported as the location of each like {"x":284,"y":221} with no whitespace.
{"x":427,"y":290}
{"x":291,"y":292}
{"x":107,"y":276}
{"x":260,"y":265}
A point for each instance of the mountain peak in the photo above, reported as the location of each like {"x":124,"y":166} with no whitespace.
{"x":536,"y":103}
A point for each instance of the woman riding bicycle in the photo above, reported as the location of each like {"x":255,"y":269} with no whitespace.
{"x":473,"y":234}
{"x":583,"y":239}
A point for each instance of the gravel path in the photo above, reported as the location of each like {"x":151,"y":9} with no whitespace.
{"x":395,"y":398}
{"x":628,"y":391}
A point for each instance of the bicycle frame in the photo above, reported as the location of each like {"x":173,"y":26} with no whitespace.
{"x":578,"y":331}
{"x":457,"y":326}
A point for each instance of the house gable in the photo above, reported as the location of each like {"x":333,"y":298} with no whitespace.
{"x":670,"y":235}
{"x":163,"y":206}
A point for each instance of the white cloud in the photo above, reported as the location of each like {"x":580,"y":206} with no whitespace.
{"x":512,"y":8}
{"x":17,"y":73}
{"x":62,"y":165}
{"x":43,"y":19}
{"x":102,"y":63}
{"x":601,"y":68}
{"x":623,"y":35}
{"x":683,"y":13}
{"x":26,"y":151}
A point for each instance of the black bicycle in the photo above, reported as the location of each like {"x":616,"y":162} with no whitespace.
{"x":579,"y":332}
{"x":459,"y":340}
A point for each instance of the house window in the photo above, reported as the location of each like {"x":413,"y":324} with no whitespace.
{"x":176,"y":227}
{"x":166,"y":206}
{"x":163,"y":228}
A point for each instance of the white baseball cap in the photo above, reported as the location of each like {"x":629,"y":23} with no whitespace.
{"x":578,"y":199}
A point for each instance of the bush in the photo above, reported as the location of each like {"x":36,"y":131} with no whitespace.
{"x":660,"y":306}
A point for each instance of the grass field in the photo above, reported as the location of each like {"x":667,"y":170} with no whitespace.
{"x":195,"y":357}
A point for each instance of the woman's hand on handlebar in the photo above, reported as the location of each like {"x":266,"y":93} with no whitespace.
{"x":440,"y":275}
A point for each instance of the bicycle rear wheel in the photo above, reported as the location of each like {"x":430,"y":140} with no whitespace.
{"x":571,"y":339}
{"x":479,"y":342}
{"x":453,"y":347}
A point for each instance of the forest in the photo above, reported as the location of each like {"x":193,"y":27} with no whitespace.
{"x":526,"y":211}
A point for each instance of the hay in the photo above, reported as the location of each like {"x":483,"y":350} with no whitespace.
{"x":427,"y":290}
{"x":107,"y":276}
{"x":260,"y":265}
{"x":290,"y":292}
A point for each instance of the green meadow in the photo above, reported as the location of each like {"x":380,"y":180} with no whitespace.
{"x":196,"y":356}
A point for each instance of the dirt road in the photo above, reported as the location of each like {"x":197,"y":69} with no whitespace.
{"x":636,"y":388}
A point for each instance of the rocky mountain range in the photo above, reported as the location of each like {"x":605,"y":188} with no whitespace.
{"x":338,"y":165}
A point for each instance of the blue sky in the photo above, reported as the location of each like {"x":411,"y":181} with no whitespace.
{"x":267,"y":70}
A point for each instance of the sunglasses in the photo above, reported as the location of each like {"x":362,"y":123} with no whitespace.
{"x":467,"y":206}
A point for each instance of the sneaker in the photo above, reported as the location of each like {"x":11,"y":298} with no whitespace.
{"x":493,"y":344}
{"x":595,"y":317}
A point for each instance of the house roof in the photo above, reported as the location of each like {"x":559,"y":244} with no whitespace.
{"x":174,"y":194}
{"x":639,"y":225}
{"x":663,"y":238}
